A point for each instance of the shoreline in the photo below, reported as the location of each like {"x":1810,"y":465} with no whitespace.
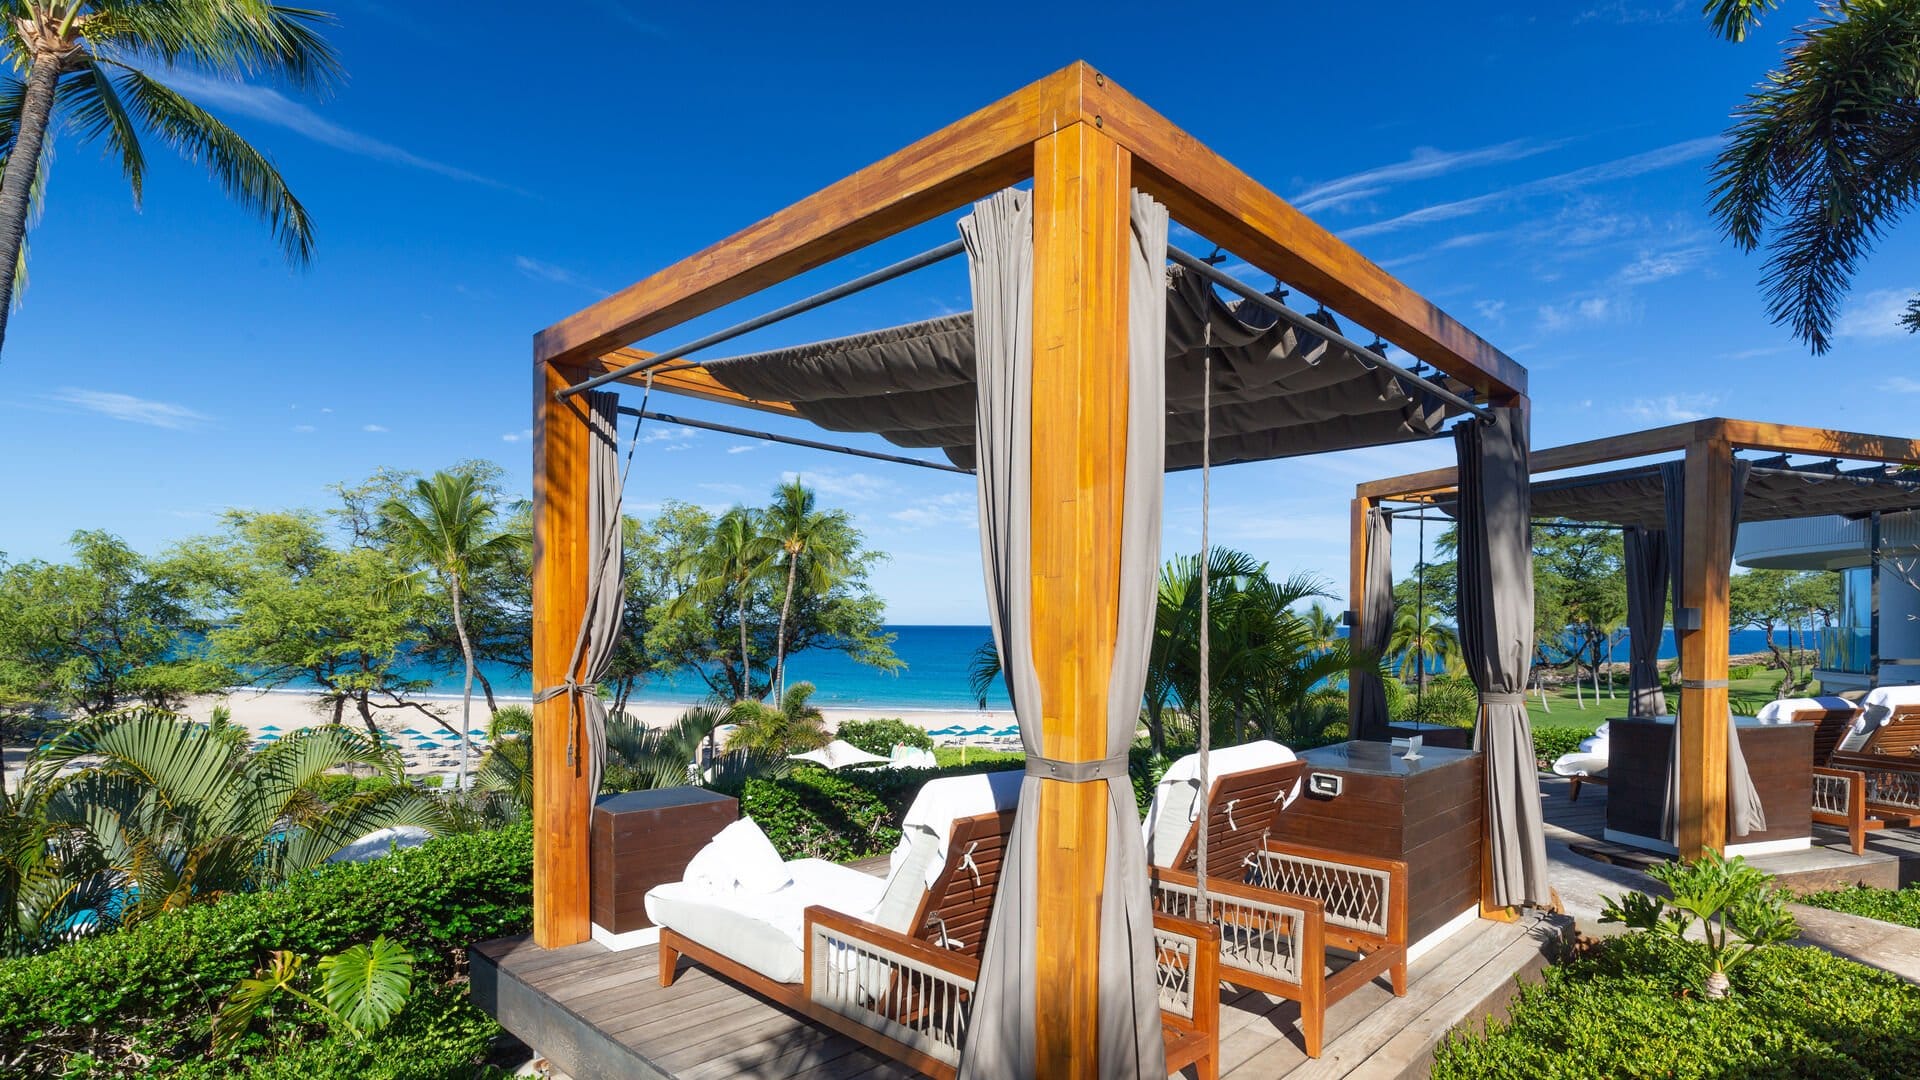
{"x":865,"y":709}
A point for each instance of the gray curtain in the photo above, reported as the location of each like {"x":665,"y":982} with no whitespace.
{"x":1496,"y":638}
{"x":1001,"y":1039}
{"x":1368,"y":700}
{"x":1646,"y":572}
{"x":606,"y":596}
{"x":1745,"y":814}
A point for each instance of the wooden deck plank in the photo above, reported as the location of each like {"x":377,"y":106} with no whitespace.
{"x":1412,"y":1047}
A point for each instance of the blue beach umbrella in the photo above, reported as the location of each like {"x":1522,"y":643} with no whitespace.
{"x":409,"y":731}
{"x":269,"y":737}
{"x":268,"y":727}
{"x":950,"y":730}
{"x":1008,"y":732}
{"x":981,"y":730}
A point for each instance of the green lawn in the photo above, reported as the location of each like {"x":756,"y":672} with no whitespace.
{"x":1568,"y":714}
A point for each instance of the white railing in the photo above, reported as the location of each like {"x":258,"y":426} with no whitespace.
{"x":1256,"y":935}
{"x":1355,"y":897}
{"x":921,"y":1005}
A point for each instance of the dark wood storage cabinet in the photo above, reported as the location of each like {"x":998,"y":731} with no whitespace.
{"x":645,"y":838}
{"x":1779,"y":758}
{"x":1426,"y":812}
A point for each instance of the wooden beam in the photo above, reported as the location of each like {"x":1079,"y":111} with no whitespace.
{"x":1707,"y":559}
{"x":562,"y":805}
{"x":1080,"y":259}
{"x":1208,"y":194}
{"x":1789,"y":439}
{"x":967,"y":160}
{"x":1634,"y":444}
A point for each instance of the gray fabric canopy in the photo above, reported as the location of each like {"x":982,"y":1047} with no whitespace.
{"x":1635,"y":497}
{"x":1496,"y":638}
{"x":1277,"y":391}
{"x":1368,"y":708}
{"x":1002,"y":1040}
{"x":1646,"y":573}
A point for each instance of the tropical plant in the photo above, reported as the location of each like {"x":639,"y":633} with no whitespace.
{"x":445,"y":529}
{"x":737,"y":554}
{"x":1737,"y":907}
{"x":1824,"y":155}
{"x":360,"y":990}
{"x":160,"y":812}
{"x":814,"y":542}
{"x":794,"y":726}
{"x":1323,"y":624}
{"x":53,"y":881}
{"x":1419,"y":639}
{"x":91,"y":62}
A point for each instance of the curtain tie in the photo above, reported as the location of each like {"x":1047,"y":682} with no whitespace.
{"x":571,"y":688}
{"x":1503,"y":697}
{"x":1078,"y":772}
{"x":1703,"y":684}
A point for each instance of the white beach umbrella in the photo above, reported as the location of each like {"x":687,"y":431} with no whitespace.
{"x":839,"y":754}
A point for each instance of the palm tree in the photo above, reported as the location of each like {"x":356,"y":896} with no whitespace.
{"x":1418,"y":636}
{"x":1824,"y":155}
{"x":169,"y":812}
{"x":1323,"y":624}
{"x":795,"y":726}
{"x":446,"y":528}
{"x":88,"y":60}
{"x":815,"y":539}
{"x":735,"y":557}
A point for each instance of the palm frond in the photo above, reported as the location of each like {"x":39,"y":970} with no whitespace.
{"x":1733,"y":19}
{"x":94,"y":110}
{"x":246,"y":175}
{"x":232,"y":38}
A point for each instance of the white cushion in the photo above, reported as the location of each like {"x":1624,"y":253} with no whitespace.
{"x":1781,"y":711}
{"x":908,"y":883}
{"x":740,"y":857}
{"x":1177,"y":799}
{"x":763,"y":931}
{"x":942,"y":802}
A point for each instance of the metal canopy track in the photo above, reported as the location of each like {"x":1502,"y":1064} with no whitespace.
{"x":790,"y":440}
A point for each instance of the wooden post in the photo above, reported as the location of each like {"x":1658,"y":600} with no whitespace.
{"x":1706,"y":564}
{"x":1081,"y":242}
{"x":1357,"y":593}
{"x":562,"y":805}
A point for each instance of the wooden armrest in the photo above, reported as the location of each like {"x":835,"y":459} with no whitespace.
{"x":892,"y":940}
{"x":1312,"y":909}
{"x":1396,"y":867}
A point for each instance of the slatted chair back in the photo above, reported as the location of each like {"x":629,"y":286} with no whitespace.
{"x":1899,"y":737}
{"x":954,"y":913}
{"x":1240,"y":811}
{"x":1829,"y":727}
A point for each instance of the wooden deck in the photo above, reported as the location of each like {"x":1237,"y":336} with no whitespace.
{"x":600,"y":1015}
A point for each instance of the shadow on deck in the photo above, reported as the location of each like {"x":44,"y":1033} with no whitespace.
{"x":600,"y":1015}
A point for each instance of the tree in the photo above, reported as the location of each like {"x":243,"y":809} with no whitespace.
{"x":818,"y":540}
{"x":1420,"y":638}
{"x":107,"y":629}
{"x":289,"y":607}
{"x":795,"y":725}
{"x":1825,"y":155}
{"x":87,"y":61}
{"x":728,"y":567}
{"x":445,"y":529}
{"x":1323,"y":624}
{"x":1588,"y":596}
{"x":173,"y":812}
{"x":1770,"y":600}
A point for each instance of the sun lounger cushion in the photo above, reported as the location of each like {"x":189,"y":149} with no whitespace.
{"x":764,"y":931}
{"x":907,"y":884}
{"x":1590,"y":760}
{"x":739,"y":858}
{"x":1782,"y":711}
{"x":942,"y":802}
{"x":1177,"y":798}
{"x":1882,"y":700}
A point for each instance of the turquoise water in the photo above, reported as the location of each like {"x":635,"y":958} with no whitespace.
{"x":935,"y":677}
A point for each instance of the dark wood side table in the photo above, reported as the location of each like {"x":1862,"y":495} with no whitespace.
{"x":646,"y":838}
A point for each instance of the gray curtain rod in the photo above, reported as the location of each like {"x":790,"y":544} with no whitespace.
{"x":832,"y":448}
{"x":805,"y":304}
{"x":1307,"y":323}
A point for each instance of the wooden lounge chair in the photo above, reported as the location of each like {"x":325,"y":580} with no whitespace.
{"x":1306,"y":924}
{"x":1866,"y":774}
{"x":907,"y":990}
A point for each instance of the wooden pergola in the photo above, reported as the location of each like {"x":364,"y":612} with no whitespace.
{"x":1084,"y":143}
{"x":1706,"y":559}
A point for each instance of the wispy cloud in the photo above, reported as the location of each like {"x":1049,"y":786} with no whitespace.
{"x":668,"y":433}
{"x":1493,"y":311}
{"x":1671,"y":408}
{"x":303,"y":429}
{"x":272,"y":107}
{"x":374,"y":429}
{"x":133,"y":410}
{"x":1877,"y":314}
{"x":1578,"y":311}
{"x":1652,"y":266}
{"x":560,"y":275}
{"x":1623,"y":13}
{"x":853,"y":487}
{"x":1624,"y":168}
{"x":956,"y":509}
{"x":524,"y":435}
{"x":744,"y":448}
{"x":1901,"y":384}
{"x":1424,"y":163}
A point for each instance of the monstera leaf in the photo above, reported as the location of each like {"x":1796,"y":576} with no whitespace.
{"x":367,"y":984}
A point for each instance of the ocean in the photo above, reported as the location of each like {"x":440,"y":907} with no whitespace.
{"x":937,"y":658}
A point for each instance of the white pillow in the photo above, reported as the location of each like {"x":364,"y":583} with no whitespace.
{"x":742,"y":858}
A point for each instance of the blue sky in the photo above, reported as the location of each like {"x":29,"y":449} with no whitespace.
{"x":1541,"y":173}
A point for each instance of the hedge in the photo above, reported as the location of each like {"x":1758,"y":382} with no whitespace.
{"x":102,"y":1005}
{"x":1614,"y":1011}
{"x":880,"y":736}
{"x":1551,"y":742}
{"x":1900,"y":906}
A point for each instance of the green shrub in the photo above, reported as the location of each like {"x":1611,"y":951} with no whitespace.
{"x":1739,"y":910}
{"x":333,"y":787}
{"x":1551,"y":743}
{"x":1796,"y":1012}
{"x":103,"y":1005}
{"x":880,"y":736}
{"x":1745,"y":671}
{"x":1446,"y":700}
{"x":843,"y":816}
{"x":1900,"y":906}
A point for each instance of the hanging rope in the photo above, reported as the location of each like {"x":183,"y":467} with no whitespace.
{"x":1420,"y":625}
{"x":570,"y":687}
{"x":1200,"y":902}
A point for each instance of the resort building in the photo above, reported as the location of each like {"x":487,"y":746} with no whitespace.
{"x":1875,"y":637}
